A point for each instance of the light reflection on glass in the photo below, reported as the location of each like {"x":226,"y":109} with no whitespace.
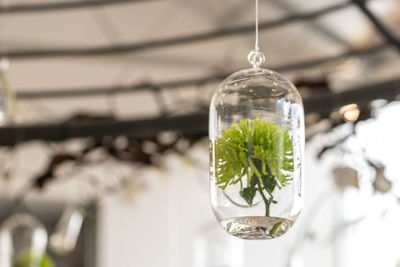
{"x":66,"y":235}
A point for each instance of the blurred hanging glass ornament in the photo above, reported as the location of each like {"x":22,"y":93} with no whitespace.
{"x":3,"y":106}
{"x":295,"y":260}
{"x":23,"y":241}
{"x":257,"y":141}
{"x":8,"y":101}
{"x":4,"y":64}
{"x":66,"y":234}
{"x":28,"y":259}
{"x":214,"y":248}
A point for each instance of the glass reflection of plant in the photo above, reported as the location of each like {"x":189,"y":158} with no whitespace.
{"x":256,"y":154}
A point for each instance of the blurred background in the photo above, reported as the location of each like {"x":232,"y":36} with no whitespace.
{"x":104,"y":122}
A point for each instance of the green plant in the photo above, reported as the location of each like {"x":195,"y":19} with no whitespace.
{"x":28,"y":258}
{"x":256,"y":154}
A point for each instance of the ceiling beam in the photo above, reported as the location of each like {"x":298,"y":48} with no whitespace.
{"x":156,"y":44}
{"x":379,"y":25}
{"x":170,"y":85}
{"x":317,"y":27}
{"x":60,"y":6}
{"x":194,"y":124}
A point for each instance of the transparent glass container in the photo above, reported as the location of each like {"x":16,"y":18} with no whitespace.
{"x":256,"y":135}
{"x":213,"y":248}
{"x":23,"y":241}
{"x":63,"y":240}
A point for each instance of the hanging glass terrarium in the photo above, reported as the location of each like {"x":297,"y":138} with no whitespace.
{"x":23,"y":241}
{"x":257,"y":140}
{"x":63,"y":240}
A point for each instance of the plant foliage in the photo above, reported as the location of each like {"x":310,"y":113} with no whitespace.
{"x":258,"y":155}
{"x":28,"y":258}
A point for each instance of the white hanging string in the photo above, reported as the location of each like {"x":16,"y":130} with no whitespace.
{"x":256,"y":58}
{"x":257,"y":48}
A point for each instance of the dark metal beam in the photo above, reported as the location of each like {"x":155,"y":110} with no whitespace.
{"x":79,"y":92}
{"x":382,"y":29}
{"x":195,"y":124}
{"x":148,"y":45}
{"x":61,"y":5}
{"x":317,"y":27}
{"x":188,"y":125}
{"x":326,"y":103}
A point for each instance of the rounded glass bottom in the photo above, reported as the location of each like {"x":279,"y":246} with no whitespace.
{"x":257,"y":227}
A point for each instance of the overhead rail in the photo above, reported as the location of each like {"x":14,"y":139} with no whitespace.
{"x":61,"y":5}
{"x":167,"y":42}
{"x":171,"y":85}
{"x":192,"y":124}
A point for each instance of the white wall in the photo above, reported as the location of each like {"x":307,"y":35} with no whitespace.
{"x":159,"y":226}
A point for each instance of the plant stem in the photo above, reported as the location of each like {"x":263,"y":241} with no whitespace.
{"x":266,"y":201}
{"x":257,"y":178}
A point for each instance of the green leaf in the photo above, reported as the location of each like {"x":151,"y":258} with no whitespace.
{"x":254,"y":181}
{"x":269,"y":183}
{"x":275,"y":228}
{"x":248,"y":194}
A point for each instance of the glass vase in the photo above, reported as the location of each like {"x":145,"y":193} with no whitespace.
{"x":256,"y":135}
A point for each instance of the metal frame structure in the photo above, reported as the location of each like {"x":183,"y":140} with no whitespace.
{"x":195,"y":124}
{"x":188,"y":125}
{"x":181,"y":40}
{"x":61,"y":6}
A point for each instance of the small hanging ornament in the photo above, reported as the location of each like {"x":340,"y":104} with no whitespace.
{"x":65,"y":237}
{"x":257,"y":141}
{"x":23,"y":241}
{"x":8,"y":100}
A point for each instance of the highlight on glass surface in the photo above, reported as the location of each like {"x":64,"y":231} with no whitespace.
{"x":66,"y":234}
